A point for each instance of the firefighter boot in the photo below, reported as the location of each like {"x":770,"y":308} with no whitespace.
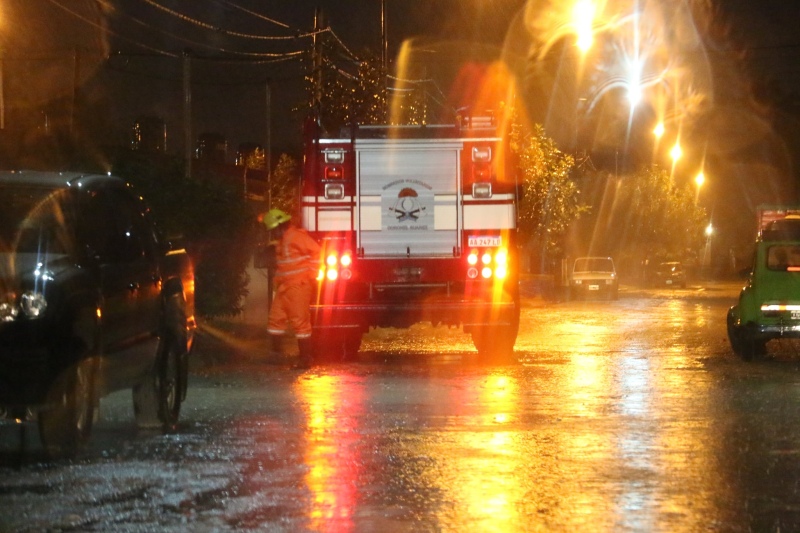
{"x":304,"y":355}
{"x":273,"y":346}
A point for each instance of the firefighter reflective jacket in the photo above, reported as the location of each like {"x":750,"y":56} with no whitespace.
{"x":298,"y":257}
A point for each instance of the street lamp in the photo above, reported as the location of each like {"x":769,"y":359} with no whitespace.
{"x":658,"y":131}
{"x":699,"y":180}
{"x":707,"y":250}
{"x":676,"y":152}
{"x":583,"y":16}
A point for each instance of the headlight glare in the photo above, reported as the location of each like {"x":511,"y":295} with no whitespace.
{"x":8,"y":308}
{"x":33,"y":304}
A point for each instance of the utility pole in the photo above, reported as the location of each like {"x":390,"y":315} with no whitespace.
{"x":76,"y":79}
{"x":187,"y":113}
{"x":268,"y":146}
{"x":384,"y":61}
{"x":317,"y":58}
{"x":2,"y":95}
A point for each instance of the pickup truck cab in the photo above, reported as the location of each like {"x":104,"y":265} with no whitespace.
{"x":92,"y":300}
{"x":593,"y":276}
{"x":769,"y":304}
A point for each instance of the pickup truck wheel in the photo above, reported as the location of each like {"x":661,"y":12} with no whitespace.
{"x":157,"y":398}
{"x":65,"y":425}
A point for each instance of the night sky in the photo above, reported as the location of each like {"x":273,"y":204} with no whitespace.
{"x":740,"y":65}
{"x":229,"y":76}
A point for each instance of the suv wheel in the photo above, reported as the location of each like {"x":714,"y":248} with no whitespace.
{"x":66,"y":423}
{"x":157,"y":398}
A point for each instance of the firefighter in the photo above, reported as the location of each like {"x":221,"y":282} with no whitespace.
{"x":298,"y":257}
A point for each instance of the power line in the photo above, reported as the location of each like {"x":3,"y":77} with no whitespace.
{"x":207,"y":26}
{"x":106,"y":30}
{"x":253,"y":13}
{"x":191,"y":42}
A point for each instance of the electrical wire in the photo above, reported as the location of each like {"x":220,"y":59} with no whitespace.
{"x":197,"y":44}
{"x":106,"y":30}
{"x":253,"y":13}
{"x":231,"y":33}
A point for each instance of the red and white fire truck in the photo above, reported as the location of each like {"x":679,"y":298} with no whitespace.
{"x":417,"y":223}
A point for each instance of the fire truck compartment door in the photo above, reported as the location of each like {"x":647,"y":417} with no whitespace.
{"x":408,"y":197}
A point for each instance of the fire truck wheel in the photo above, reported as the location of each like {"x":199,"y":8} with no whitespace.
{"x":336,"y":348}
{"x":495,"y":344}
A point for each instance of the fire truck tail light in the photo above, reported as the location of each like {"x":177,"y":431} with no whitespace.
{"x":501,"y":257}
{"x":481,"y":190}
{"x":334,"y":173}
{"x":482,"y":154}
{"x":334,"y":191}
{"x":336,"y":266}
{"x":334,"y":156}
{"x":487,"y":264}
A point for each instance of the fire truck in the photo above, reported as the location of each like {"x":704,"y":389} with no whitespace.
{"x":417,"y":223}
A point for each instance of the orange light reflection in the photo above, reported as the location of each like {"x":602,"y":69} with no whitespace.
{"x":332,"y":405}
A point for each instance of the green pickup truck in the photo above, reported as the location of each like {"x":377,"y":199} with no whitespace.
{"x":769,"y":304}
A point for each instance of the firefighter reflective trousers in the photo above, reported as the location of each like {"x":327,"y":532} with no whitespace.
{"x":290,"y":309}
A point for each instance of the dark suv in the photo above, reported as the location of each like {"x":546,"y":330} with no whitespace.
{"x":92,"y":300}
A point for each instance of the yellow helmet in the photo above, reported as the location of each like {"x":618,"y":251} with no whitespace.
{"x":274,"y":218}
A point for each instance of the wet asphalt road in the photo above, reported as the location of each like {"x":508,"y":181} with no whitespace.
{"x":631,"y":415}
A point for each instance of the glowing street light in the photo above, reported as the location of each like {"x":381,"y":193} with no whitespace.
{"x":709,"y":230}
{"x":635,"y":82}
{"x":676,"y":152}
{"x":700,"y":179}
{"x":583,"y":16}
{"x":658,"y":131}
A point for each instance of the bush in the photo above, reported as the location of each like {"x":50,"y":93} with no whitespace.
{"x":210,"y":215}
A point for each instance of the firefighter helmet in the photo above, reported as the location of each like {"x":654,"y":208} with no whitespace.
{"x":274,"y":218}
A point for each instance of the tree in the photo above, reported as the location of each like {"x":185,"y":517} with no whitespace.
{"x":549,"y":201}
{"x":362,"y":97}
{"x":658,"y":218}
{"x":210,"y":215}
{"x":284,"y":182}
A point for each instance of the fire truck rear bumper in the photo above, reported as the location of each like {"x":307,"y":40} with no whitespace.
{"x":364,"y":315}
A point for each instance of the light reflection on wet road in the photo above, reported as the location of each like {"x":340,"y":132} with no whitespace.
{"x":620,"y":416}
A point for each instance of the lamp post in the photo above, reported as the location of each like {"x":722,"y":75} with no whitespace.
{"x":707,"y":251}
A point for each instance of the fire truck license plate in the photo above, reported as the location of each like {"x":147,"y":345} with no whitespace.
{"x":795,"y":315}
{"x":484,"y":240}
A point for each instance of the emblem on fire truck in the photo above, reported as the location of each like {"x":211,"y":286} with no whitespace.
{"x":407,"y":206}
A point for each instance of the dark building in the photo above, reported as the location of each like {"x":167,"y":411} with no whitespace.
{"x":149,"y":135}
{"x":212,"y":147}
